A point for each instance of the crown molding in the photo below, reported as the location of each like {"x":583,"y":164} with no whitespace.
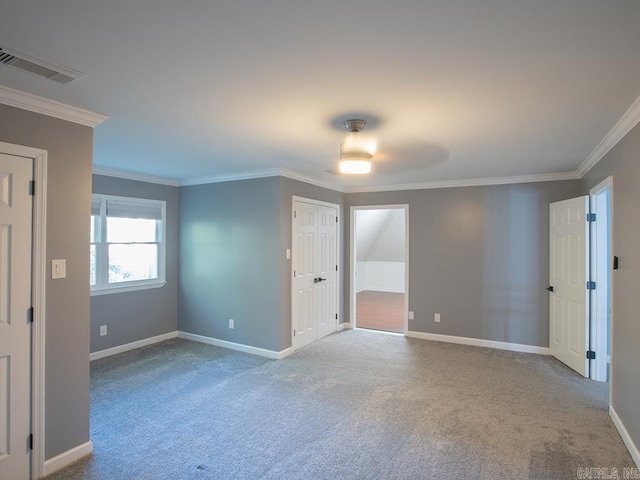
{"x":139,"y":177}
{"x":472,"y":182}
{"x":44,"y":106}
{"x":629,"y":120}
{"x":281,"y":172}
{"x":271,"y":172}
{"x":233,"y":177}
{"x":284,"y":172}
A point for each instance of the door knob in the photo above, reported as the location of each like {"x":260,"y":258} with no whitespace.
{"x":550,"y":288}
{"x":322,"y":279}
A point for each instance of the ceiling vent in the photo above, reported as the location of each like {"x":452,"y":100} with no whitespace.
{"x":27,"y":63}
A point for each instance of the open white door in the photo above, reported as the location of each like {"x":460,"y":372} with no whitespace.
{"x":15,"y":329}
{"x":568,"y":276}
{"x":315,"y":278}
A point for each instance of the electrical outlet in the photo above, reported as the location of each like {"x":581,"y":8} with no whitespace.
{"x":103,"y":330}
{"x":411,"y":316}
{"x":436,"y":317}
{"x":232,"y":323}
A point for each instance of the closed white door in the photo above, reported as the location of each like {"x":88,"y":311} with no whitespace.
{"x":326,"y":287}
{"x":568,"y":272}
{"x":15,"y":301}
{"x":314,"y":303}
{"x":305,"y":228}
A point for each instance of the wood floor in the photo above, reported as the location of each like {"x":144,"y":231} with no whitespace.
{"x":380,"y":311}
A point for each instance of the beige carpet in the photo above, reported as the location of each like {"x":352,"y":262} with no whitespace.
{"x":355,"y":405}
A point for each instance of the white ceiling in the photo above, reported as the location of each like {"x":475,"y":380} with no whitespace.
{"x":451,"y":89}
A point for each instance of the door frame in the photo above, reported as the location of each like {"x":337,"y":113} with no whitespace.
{"x":600,"y":339}
{"x":294,"y":199}
{"x":352,"y":261}
{"x":38,"y":288}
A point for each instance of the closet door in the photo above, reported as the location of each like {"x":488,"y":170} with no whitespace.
{"x":315,"y":279}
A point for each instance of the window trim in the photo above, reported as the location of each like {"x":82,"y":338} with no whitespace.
{"x":101,"y":287}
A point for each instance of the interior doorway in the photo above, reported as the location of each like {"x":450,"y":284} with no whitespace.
{"x":580,"y":281}
{"x":15,"y":384}
{"x":379,"y":268}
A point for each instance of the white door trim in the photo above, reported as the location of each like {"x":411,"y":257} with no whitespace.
{"x":352,"y":262}
{"x":600,"y":340}
{"x":294,"y":199}
{"x":38,"y":284}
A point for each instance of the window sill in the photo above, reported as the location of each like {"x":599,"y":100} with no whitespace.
{"x":127,"y":288}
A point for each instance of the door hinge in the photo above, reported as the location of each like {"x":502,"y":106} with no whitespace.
{"x":294,"y":332}
{"x":336,"y":316}
{"x":591,"y":217}
{"x":591,"y":285}
{"x":336,"y":268}
{"x":32,"y":187}
{"x":30,"y":441}
{"x":336,"y":219}
{"x":295,"y":214}
{"x":30,"y":315}
{"x":591,"y":355}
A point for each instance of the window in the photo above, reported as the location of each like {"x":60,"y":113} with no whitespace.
{"x":127,"y":244}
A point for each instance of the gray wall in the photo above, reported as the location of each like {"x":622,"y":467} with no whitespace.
{"x":479,"y":256}
{"x":623,"y":163}
{"x":228,"y":267}
{"x":133,"y":316}
{"x":69,"y":149}
{"x":232,"y":263}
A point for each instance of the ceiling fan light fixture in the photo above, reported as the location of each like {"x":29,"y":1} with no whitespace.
{"x":355,"y":166}
{"x":355,"y":156}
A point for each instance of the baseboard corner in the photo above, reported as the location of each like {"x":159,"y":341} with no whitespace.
{"x":67,"y":458}
{"x":626,"y":438}
{"x":240,"y":347}
{"x":132,"y":346}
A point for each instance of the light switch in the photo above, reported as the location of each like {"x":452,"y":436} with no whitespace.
{"x":59,"y":268}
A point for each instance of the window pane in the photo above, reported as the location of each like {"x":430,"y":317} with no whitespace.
{"x":133,"y":262}
{"x":126,"y":230}
{"x":93,"y":229}
{"x":92,"y":264}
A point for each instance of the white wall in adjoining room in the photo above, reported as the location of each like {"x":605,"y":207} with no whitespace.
{"x":380,"y":250}
{"x":384,"y":276}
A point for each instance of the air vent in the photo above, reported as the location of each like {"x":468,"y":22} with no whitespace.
{"x":27,"y":63}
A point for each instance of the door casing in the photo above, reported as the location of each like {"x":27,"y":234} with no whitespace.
{"x":352,"y":261}
{"x":601,"y":257}
{"x":294,"y":199}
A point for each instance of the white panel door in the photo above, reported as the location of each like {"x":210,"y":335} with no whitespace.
{"x":315,"y":279}
{"x":15,"y":330}
{"x":568,"y":275}
{"x":326,"y":287}
{"x":305,"y":228}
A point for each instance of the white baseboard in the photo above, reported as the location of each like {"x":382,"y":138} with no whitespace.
{"x":236,"y":346}
{"x":626,"y":438}
{"x":477,"y":342}
{"x":340,"y":327}
{"x":346,"y":326}
{"x":132,"y":346}
{"x":66,"y":458}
